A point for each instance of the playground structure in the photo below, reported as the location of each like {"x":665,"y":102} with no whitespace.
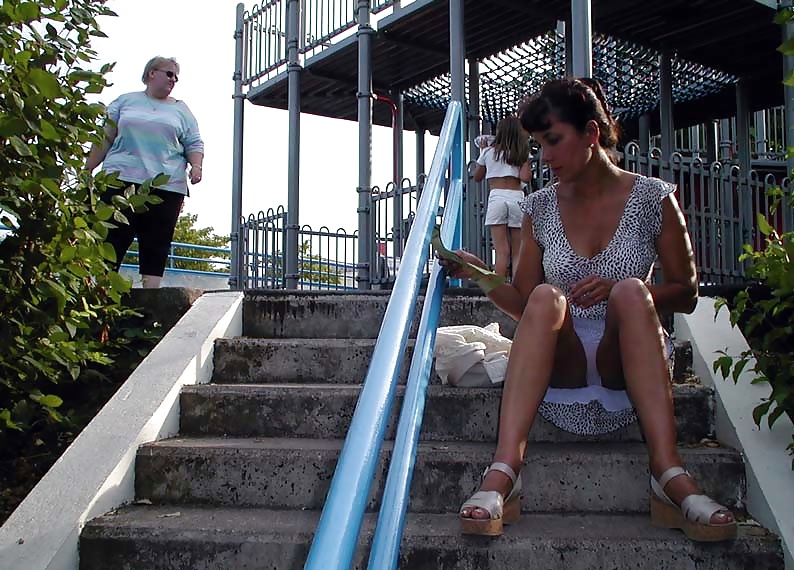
{"x":712,"y":118}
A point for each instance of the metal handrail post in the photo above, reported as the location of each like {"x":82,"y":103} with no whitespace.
{"x":294,"y":69}
{"x":236,"y":271}
{"x":366,"y":253}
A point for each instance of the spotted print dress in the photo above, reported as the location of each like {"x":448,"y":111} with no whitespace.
{"x":593,"y":409}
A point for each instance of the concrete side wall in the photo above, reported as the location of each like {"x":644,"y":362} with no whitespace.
{"x":770,"y":479}
{"x":96,"y":473}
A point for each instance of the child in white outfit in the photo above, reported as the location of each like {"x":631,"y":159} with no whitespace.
{"x":503,"y":162}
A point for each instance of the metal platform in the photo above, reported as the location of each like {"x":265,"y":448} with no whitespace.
{"x":411,"y":47}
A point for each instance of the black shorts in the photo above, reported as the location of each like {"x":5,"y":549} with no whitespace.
{"x":154,"y":229}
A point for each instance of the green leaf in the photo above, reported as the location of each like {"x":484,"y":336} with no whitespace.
{"x":48,"y":131}
{"x":20,"y":146}
{"x":763,"y":225}
{"x":28,"y":11}
{"x":787,"y":47}
{"x":46,"y":83}
{"x":760,"y":411}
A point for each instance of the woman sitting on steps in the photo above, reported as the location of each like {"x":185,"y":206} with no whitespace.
{"x":589,"y":352}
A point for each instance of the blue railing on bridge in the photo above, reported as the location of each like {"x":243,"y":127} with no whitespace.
{"x":335,"y":540}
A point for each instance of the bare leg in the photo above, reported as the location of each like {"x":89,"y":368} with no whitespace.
{"x":501,"y":247}
{"x":515,"y":247}
{"x":544,"y":335}
{"x":151,"y":281}
{"x":633,"y":347}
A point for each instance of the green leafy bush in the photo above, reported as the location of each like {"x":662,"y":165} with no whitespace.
{"x":765,"y":314}
{"x":764,"y":311}
{"x":58,"y":301}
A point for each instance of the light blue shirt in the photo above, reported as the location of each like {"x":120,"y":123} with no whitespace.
{"x":153,"y":137}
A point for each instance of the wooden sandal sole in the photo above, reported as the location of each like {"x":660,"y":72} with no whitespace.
{"x":511,"y":513}
{"x":668,"y":516}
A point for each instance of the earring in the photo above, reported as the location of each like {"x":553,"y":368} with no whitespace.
{"x":592,"y":145}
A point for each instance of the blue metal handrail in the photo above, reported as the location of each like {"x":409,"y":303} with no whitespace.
{"x":386,"y":543}
{"x":334,"y":542}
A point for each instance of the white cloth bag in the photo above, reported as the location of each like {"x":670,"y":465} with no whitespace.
{"x":471,"y":356}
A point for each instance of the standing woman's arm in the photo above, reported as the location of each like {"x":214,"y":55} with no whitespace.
{"x":194,"y":147}
{"x":99,"y":151}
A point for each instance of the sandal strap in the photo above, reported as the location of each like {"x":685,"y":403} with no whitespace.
{"x":700,"y":508}
{"x":489,"y":501}
{"x":503,"y":468}
{"x":671,"y":474}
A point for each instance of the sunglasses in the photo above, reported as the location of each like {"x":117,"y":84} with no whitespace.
{"x":169,"y":74}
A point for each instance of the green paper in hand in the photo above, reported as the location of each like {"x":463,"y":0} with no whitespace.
{"x":487,"y":280}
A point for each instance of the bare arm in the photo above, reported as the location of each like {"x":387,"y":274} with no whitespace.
{"x":525,"y":174}
{"x":510,"y":298}
{"x":679,"y":290}
{"x":479,"y":173}
{"x":195,"y":159}
{"x":98,"y":152}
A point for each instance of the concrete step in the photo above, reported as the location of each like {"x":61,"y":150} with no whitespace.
{"x":169,"y":538}
{"x":296,"y":473}
{"x":324,"y":411}
{"x":247,"y":360}
{"x":312,"y":314}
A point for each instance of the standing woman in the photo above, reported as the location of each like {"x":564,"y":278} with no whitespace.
{"x":504,"y":164}
{"x":151,"y":133}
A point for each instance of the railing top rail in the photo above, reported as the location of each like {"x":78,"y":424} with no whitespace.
{"x":335,"y":539}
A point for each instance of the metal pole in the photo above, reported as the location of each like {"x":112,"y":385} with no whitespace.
{"x":582,"y":38}
{"x":292,"y":273}
{"x":562,"y":31}
{"x":420,"y":153}
{"x":237,"y":268}
{"x":666,"y":111}
{"x":743,"y":126}
{"x":760,"y":133}
{"x":745,"y":201}
{"x":397,"y":172}
{"x":694,"y":137}
{"x":712,"y":137}
{"x":725,"y":139}
{"x":364,"y":95}
{"x":788,"y":92}
{"x":472,"y":229}
{"x":645,"y":133}
{"x":457,"y":58}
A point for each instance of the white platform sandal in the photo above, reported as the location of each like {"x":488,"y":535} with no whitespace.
{"x":694,"y":514}
{"x":501,"y":510}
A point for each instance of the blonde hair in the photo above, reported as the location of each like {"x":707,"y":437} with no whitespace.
{"x":155,"y":63}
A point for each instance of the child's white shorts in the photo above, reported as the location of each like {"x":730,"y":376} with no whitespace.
{"x":503,"y":208}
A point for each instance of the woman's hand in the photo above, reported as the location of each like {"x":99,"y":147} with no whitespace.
{"x":455,"y":270}
{"x":195,"y":174}
{"x":591,"y":291}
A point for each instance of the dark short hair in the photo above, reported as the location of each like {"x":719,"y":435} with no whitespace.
{"x":572,"y":101}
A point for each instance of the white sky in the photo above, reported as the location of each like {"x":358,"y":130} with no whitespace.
{"x":199,"y":35}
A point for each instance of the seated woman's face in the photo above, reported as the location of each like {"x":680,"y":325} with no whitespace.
{"x":565,"y":149}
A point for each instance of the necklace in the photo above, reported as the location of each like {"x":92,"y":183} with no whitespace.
{"x":151,"y":100}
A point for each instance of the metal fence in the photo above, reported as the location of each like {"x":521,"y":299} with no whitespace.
{"x":326,"y":260}
{"x":720,"y":203}
{"x":322,"y":23}
{"x":721,"y":206}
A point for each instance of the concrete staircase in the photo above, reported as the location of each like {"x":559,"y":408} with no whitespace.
{"x":242,"y":486}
